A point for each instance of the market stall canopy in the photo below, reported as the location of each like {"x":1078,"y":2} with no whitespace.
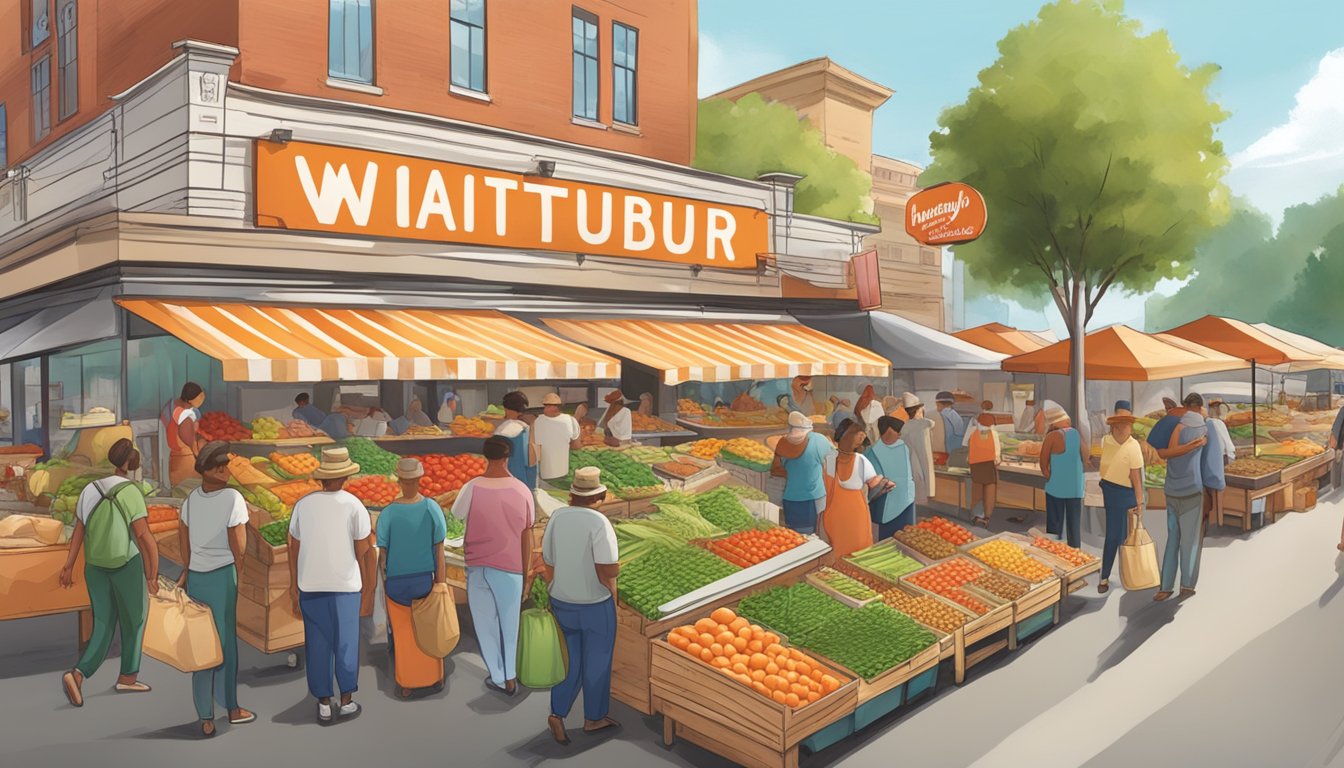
{"x":308,"y":343}
{"x":1245,"y":342}
{"x":1331,"y":357}
{"x":1003,"y":339}
{"x":60,"y":326}
{"x":906,"y":343}
{"x":706,"y":350}
{"x":1120,"y":353}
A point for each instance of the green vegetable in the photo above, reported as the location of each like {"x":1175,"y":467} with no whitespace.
{"x":541,"y":597}
{"x":276,"y":533}
{"x":638,"y":537}
{"x":747,"y":492}
{"x":845,"y":585}
{"x":723,"y":508}
{"x":456,"y":528}
{"x":792,"y":611}
{"x":684,"y":520}
{"x":51,"y":464}
{"x":371,"y":459}
{"x":666,"y":573}
{"x":73,"y":486}
{"x":647,"y":454}
{"x":868,"y":641}
{"x":618,"y":470}
{"x":885,"y":560}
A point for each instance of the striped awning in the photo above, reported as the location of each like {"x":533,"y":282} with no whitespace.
{"x":293,"y":343}
{"x":686,"y":350}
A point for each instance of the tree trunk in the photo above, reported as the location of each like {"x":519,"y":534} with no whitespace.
{"x":1077,"y":363}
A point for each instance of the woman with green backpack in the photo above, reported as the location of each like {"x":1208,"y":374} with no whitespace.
{"x":112,"y":528}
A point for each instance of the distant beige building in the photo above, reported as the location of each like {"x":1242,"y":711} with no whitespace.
{"x":840,"y":104}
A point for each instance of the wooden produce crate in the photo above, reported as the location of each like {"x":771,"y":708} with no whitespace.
{"x":1304,"y":499}
{"x":1254,"y":483}
{"x":1012,"y":538}
{"x":1072,"y":576}
{"x":982,"y":636}
{"x":725,"y":717}
{"x":634,"y":633}
{"x":270,"y":628}
{"x":1312,"y":467}
{"x":814,"y":578}
{"x":1243,"y":504}
{"x":261,"y":582}
{"x":913,"y":553}
{"x":890,"y":679}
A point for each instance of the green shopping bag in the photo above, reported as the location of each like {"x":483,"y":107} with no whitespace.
{"x":541,"y":651}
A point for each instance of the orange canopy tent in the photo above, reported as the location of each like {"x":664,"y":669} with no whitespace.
{"x":1003,"y":339}
{"x":1331,"y":358}
{"x":1244,"y":341}
{"x":1120,"y":353}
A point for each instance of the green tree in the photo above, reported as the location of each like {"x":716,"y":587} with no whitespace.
{"x":753,"y":136}
{"x":1094,"y":148}
{"x":1312,"y":308}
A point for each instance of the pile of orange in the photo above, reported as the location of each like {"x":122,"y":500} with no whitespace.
{"x":953,"y":533}
{"x":750,"y":547}
{"x":754,"y":657}
{"x":448,"y":473}
{"x":1063,"y":551}
{"x":946,"y":580}
{"x":374,"y":490}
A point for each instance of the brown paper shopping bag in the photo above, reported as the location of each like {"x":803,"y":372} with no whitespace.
{"x":1138,"y":558}
{"x":180,"y":632}
{"x":434,"y":618}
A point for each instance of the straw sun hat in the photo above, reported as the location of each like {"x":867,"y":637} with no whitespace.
{"x":335,"y":464}
{"x":587,"y":482}
{"x":1123,"y":414}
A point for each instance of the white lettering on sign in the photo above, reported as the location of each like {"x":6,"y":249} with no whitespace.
{"x":639,"y":213}
{"x":603,"y":232}
{"x":722,"y":226}
{"x":436,"y":202}
{"x":338,"y":189}
{"x":548,"y":194}
{"x":502,"y":188}
{"x":688,"y":231}
{"x":942,"y":209}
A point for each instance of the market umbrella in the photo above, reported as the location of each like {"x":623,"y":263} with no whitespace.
{"x":1120,"y":353}
{"x":1331,"y":357}
{"x":1003,"y":339}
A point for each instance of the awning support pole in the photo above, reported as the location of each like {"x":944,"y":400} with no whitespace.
{"x":1255,"y":418}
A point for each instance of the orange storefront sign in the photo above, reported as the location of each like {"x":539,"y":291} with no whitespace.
{"x":323,"y":188}
{"x":946,"y":214}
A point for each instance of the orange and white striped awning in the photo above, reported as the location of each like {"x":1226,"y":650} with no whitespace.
{"x":292,"y":343}
{"x":694,"y":350}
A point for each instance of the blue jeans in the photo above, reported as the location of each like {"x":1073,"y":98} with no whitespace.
{"x":217,"y":589}
{"x":1064,"y":515}
{"x":331,"y":640}
{"x":887,"y":530}
{"x":1118,"y":501}
{"x":495,"y":598}
{"x":590,"y":638}
{"x":801,"y":516}
{"x":1185,"y":523}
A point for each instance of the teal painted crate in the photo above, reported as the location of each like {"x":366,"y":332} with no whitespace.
{"x":1033,"y":624}
{"x":879,"y":706}
{"x":921,"y":683}
{"x":830,"y":735}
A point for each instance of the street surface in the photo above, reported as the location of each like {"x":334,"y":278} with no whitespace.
{"x":1246,"y":673}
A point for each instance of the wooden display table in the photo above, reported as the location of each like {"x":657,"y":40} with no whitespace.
{"x":30,"y":585}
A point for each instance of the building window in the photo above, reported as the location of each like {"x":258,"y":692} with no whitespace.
{"x":4,"y":137}
{"x":625,"y":84}
{"x":67,"y":67}
{"x":41,"y":98}
{"x":928,"y":257}
{"x":467,"y":67}
{"x":41,"y":16}
{"x":350,"y":40}
{"x":585,"y":64}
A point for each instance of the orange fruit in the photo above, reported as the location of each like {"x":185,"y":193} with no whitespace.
{"x":740,"y":644}
{"x":760,"y":688}
{"x":829,"y":683}
{"x":694,"y":649}
{"x":773,"y":682}
{"x":744,"y":633}
{"x":678,"y":642}
{"x":706,"y":655}
{"x":771,"y":668}
{"x":739,"y":658}
{"x":800,"y":690}
{"x":706,"y":639}
{"x":774,"y":648}
{"x":779,"y":696}
{"x":813,"y":696}
{"x":756,"y":646}
{"x":720,"y":662}
{"x":758,"y":675}
{"x":790,"y":699}
{"x":739,"y":624}
{"x":803,"y":669}
{"x":723,"y":616}
{"x":741,"y":669}
{"x":792,"y":677}
{"x":725,"y":638}
{"x":716,"y":649}
{"x":759,"y":660}
{"x":705,"y":625}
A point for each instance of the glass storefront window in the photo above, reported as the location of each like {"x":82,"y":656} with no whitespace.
{"x":156,"y":369}
{"x":80,"y":380}
{"x":26,"y":385}
{"x":8,"y":410}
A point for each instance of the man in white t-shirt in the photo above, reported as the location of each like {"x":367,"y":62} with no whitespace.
{"x":579,"y":548}
{"x":330,"y":538}
{"x":556,"y":434}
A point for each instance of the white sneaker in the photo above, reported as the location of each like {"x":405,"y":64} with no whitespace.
{"x":323,"y":712}
{"x":349,"y":710}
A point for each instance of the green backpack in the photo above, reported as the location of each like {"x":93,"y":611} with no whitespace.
{"x":107,"y":536}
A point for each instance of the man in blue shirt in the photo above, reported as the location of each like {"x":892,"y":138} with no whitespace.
{"x":1184,"y":489}
{"x":954,"y":428}
{"x":334,"y":425}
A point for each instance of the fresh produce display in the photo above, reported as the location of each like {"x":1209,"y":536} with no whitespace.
{"x":295,"y":465}
{"x":1252,"y":467}
{"x":679,"y":469}
{"x":422,"y":430}
{"x":162,"y":517}
{"x":448,"y":473}
{"x":259,"y":496}
{"x":869,"y":640}
{"x":1011,"y":558}
{"x":752,"y":546}
{"x":298,"y":428}
{"x":275,"y":533}
{"x":707,"y":449}
{"x":754,"y":657}
{"x":635,"y":538}
{"x":466,"y":426}
{"x":633,"y":492}
{"x":647,"y":454}
{"x":677,"y":513}
{"x":845,"y":585}
{"x":928,"y":611}
{"x":689,"y":407}
{"x":457,"y":528}
{"x":666,"y":573}
{"x":749,"y":451}
{"x":266,"y":428}
{"x":1154,"y":475}
{"x":218,"y":425}
{"x":371,"y":459}
{"x":955,"y":534}
{"x":795,"y":611}
{"x":885,"y":560}
{"x":722,"y":508}
{"x":52,"y":463}
{"x":925,"y":542}
{"x":618,"y":470}
{"x":1063,"y":551}
{"x":745,"y":402}
{"x":374,"y":490}
{"x":246,"y":472}
{"x":493,"y":411}
{"x":1302,"y":449}
{"x":73,"y":486}
{"x":747,"y":493}
{"x":1000,"y":585}
{"x":946,"y":580}
{"x":641,"y":423}
{"x":290,"y":493}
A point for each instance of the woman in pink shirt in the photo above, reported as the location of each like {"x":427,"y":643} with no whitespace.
{"x":499,"y":511}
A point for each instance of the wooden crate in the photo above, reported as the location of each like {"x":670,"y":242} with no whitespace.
{"x":1304,"y":499}
{"x":982,"y":636}
{"x":1308,"y":467}
{"x":269,"y":628}
{"x":721,"y":715}
{"x":890,"y":679}
{"x":815,"y":580}
{"x":1072,"y":576}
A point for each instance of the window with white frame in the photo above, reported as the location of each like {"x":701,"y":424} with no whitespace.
{"x":624,"y":80}
{"x":585,"y":64}
{"x":466,"y":20}
{"x":350,"y":40}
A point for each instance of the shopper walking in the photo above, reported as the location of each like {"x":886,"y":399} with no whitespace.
{"x":954,"y":427}
{"x":499,"y":512}
{"x":1213,"y":460}
{"x":1184,"y":489}
{"x":525,"y":453}
{"x":121,"y":570}
{"x":894,"y":508}
{"x":579,"y":550}
{"x":330,"y":538}
{"x":1337,"y":468}
{"x":410,"y":535}
{"x":850,"y":477}
{"x":918,"y":434}
{"x":557,"y":434}
{"x":799,"y":457}
{"x":212,"y":536}
{"x":984,"y":454}
{"x":1215,"y":418}
{"x":179,"y":419}
{"x":1122,"y":490}
{"x":1062,"y":463}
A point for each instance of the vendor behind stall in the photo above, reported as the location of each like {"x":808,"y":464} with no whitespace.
{"x":557,"y":434}
{"x":953,"y":427}
{"x":800,"y":396}
{"x":334,"y":424}
{"x":179,"y":430}
{"x":617,"y":423}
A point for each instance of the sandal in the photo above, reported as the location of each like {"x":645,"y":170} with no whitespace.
{"x":1160,"y":596}
{"x":1187,"y":593}
{"x":1103,"y":586}
{"x":983,"y":522}
{"x":207,"y":729}
{"x":557,"y":727}
{"x":243,"y":717}
{"x":71,"y":685}
{"x":600,"y":725}
{"x":136,"y":687}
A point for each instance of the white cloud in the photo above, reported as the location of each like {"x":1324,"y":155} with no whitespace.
{"x":1303,"y":158}
{"x":725,"y":63}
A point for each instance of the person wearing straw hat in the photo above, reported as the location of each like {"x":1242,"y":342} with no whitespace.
{"x":410,"y":535}
{"x":1122,"y":489}
{"x":799,"y":458}
{"x":1062,"y":462}
{"x":330,"y":539}
{"x":212,"y":535}
{"x":617,"y":423}
{"x":582,"y":561}
{"x":918,"y":434}
{"x":557,"y":434}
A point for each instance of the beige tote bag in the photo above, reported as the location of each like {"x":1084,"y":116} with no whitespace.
{"x":434,"y":618}
{"x":1138,"y":558}
{"x":180,"y":632}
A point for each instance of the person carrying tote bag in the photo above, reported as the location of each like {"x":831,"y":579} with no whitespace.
{"x":1138,"y":557}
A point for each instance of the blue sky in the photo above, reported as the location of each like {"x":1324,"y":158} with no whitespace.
{"x":1282,"y":73}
